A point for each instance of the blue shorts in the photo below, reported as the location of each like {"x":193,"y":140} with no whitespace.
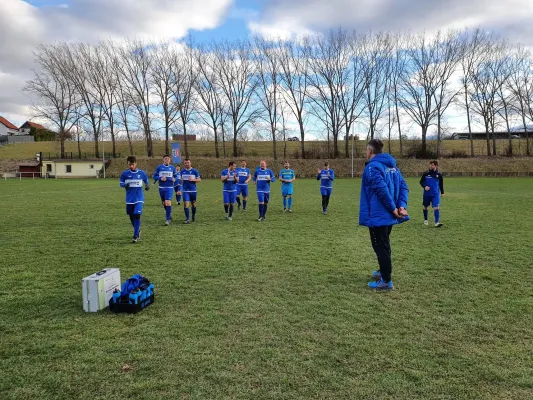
{"x":286,"y":189}
{"x":242,"y":189}
{"x":434,"y":200}
{"x":263,"y":197}
{"x":177,"y":188}
{"x":134,"y":209}
{"x":166,"y":193}
{"x":189,"y":196}
{"x":325,"y":191}
{"x":229,"y":197}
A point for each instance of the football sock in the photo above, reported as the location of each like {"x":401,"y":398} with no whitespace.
{"x":324,"y":203}
{"x":186,"y":209}
{"x":327,"y":201}
{"x":284,"y":203}
{"x":437,"y":215}
{"x":425,"y":215}
{"x":137,"y":225}
{"x":193,"y":212}
{"x":239,"y":200}
{"x":132,"y":219}
{"x":260,"y":210}
{"x":231,"y":210}
{"x":244,"y":204}
{"x":290,"y":203}
{"x":226,"y":208}
{"x":168,"y":210}
{"x":178,"y":198}
{"x":265,"y":206}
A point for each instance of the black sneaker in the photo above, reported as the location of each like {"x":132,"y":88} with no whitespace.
{"x":187,"y":221}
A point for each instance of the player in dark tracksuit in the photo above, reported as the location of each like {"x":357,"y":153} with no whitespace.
{"x":433,"y":185}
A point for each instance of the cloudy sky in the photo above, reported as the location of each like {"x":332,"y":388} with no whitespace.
{"x":26,"y":23}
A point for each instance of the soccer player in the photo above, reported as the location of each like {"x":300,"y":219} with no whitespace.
{"x":165,"y":174}
{"x":189,"y":178}
{"x":383,"y":203}
{"x":132,"y":180}
{"x":242,"y":186}
{"x":287,"y":177}
{"x":229,"y":177}
{"x":326,"y":177}
{"x":262,"y":178}
{"x":177,"y":184}
{"x":433,"y":185}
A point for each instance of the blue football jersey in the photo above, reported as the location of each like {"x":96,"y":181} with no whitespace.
{"x":261,"y":177}
{"x":135,"y":179}
{"x":243,"y":174}
{"x":178,"y":179}
{"x":186,"y":174}
{"x":326,"y":177}
{"x":231,"y":183}
{"x":167,"y":171}
{"x":286,"y":174}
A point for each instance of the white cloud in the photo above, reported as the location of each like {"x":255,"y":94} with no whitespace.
{"x":23,"y":26}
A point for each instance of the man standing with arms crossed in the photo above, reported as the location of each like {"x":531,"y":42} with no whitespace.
{"x":263,"y":177}
{"x":242,"y":185}
{"x":189,"y":178}
{"x":165,"y":174}
{"x":287,"y":177}
{"x":384,"y":195}
{"x":229,"y":179}
{"x":433,"y":185}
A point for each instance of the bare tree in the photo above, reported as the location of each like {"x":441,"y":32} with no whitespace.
{"x":268,"y":72}
{"x":133,"y":64}
{"x":521,"y":85}
{"x":488,"y":75}
{"x":238,"y":81}
{"x":163,"y":71}
{"x":376,"y":52}
{"x":295,"y":81}
{"x":58,"y":99}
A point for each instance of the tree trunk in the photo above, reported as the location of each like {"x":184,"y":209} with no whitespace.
{"x":217,"y":154}
{"x":302,"y":135}
{"x":96,"y":150}
{"x":234,"y":138}
{"x":129,"y":137}
{"x":398,"y":120}
{"x":469,"y":123}
{"x":223,"y":140}
{"x":62,"y":144}
{"x":167,"y":147}
{"x":185,"y":143}
{"x":273,"y":128}
{"x":79,"y":147}
{"x":438,"y":133}
{"x":487,"y":130}
{"x":424,"y":142}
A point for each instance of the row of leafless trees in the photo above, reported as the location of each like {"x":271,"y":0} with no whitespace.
{"x":324,"y":83}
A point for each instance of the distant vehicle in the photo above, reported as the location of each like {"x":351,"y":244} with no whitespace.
{"x":293,"y":139}
{"x":515,"y":137}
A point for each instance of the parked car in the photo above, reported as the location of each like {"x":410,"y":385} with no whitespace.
{"x":515,"y":137}
{"x":294,"y":139}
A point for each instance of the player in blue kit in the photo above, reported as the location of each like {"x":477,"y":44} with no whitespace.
{"x":189,"y":178}
{"x":433,"y":185}
{"x":177,"y":184}
{"x":132,"y":180}
{"x":165,"y":174}
{"x":229,"y":178}
{"x":326,"y":177}
{"x":262,"y":178}
{"x":242,"y":185}
{"x":287,"y":177}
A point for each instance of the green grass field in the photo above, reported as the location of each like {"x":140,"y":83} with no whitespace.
{"x":272,"y":310}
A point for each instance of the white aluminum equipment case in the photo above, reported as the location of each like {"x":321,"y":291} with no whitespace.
{"x":98,"y":288}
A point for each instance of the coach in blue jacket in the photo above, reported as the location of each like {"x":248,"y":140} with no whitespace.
{"x":383,"y":204}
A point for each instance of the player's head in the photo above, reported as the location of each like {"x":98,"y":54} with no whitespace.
{"x":326,"y":165}
{"x":232,"y":165}
{"x":243,"y":163}
{"x":166,"y":159}
{"x":286,"y":164}
{"x":263,"y":164}
{"x":178,"y":167}
{"x":132,"y":162}
{"x":433,"y":165}
{"x":187,"y":163}
{"x":375,"y":146}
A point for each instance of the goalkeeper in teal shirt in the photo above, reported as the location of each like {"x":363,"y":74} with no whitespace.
{"x":287,"y":177}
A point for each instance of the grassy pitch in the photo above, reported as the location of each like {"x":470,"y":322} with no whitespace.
{"x":272,"y":310}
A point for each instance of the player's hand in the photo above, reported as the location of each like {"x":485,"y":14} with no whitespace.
{"x":147,"y":188}
{"x":396,"y":213}
{"x":442,"y":195}
{"x":127,"y":185}
{"x":403,"y":212}
{"x":190,"y":179}
{"x":426,"y":188}
{"x":173,"y":179}
{"x":164,"y":179}
{"x":318,"y":171}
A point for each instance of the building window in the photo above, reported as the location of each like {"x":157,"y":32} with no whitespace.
{"x":48,"y":167}
{"x":91,"y":166}
{"x":69,"y":168}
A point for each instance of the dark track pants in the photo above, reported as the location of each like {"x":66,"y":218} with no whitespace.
{"x":380,"y":238}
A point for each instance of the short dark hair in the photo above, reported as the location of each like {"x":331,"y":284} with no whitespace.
{"x":434,"y":162}
{"x":326,"y":164}
{"x":231,"y":163}
{"x":187,"y":159}
{"x":166,"y":155}
{"x":131,"y":159}
{"x":376,"y":146}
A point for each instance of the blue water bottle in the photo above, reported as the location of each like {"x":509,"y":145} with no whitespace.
{"x":116,"y":296}
{"x":134,"y":297}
